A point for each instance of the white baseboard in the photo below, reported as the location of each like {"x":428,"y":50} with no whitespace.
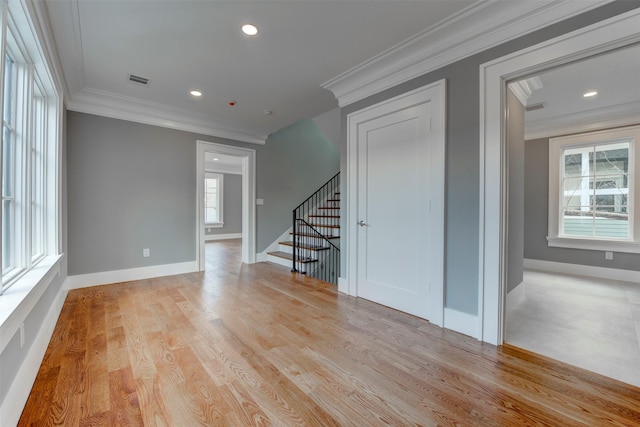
{"x":212,"y":237}
{"x":18,"y":393}
{"x":583,"y":270}
{"x":516,"y":295}
{"x":117,"y":276}
{"x":461,"y":322}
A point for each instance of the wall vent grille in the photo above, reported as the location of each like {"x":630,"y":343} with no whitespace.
{"x":533,"y":107}
{"x":143,"y":81}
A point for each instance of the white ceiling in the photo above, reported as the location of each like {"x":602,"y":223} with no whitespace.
{"x":614,"y":75}
{"x":183,"y":44}
{"x":215,"y":162}
{"x":351,"y":47}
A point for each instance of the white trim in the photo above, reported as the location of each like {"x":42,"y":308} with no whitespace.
{"x":248,"y":198}
{"x":130,"y":274}
{"x":19,"y":391}
{"x":461,"y":322}
{"x":19,"y":300}
{"x":262,"y":257}
{"x":594,"y":245}
{"x":211,"y":237}
{"x":436,"y":94}
{"x":516,"y":295}
{"x":583,"y":270}
{"x":477,"y":28}
{"x":121,"y":107}
{"x":609,"y":34}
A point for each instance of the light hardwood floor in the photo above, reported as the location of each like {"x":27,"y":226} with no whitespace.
{"x":243,"y":345}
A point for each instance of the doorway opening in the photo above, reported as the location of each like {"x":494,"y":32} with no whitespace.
{"x":614,"y":33}
{"x":233,"y":161}
{"x":570,"y":201}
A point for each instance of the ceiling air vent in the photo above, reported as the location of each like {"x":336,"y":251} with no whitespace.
{"x":142,"y":81}
{"x":533,"y":107}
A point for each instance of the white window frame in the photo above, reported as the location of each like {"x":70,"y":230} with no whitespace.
{"x":219,"y":199}
{"x":557,"y":146}
{"x":37,"y":121}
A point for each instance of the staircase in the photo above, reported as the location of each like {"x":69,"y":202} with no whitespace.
{"x":313,"y":244}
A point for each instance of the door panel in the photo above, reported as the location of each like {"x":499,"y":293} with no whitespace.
{"x":393,"y":203}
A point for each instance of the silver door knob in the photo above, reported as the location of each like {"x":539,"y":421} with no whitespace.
{"x":362,"y":224}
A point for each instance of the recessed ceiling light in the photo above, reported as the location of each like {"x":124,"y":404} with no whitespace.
{"x":196,"y":93}
{"x":250,"y":30}
{"x":216,"y":159}
{"x":590,"y":94}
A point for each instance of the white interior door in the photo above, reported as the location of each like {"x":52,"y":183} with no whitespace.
{"x":393,"y":209}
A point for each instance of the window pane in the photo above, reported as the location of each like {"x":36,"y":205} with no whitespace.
{"x":211,"y":201}
{"x":7,"y":235}
{"x":575,"y":193}
{"x":596,"y":189}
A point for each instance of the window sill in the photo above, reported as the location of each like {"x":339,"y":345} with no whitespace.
{"x":592,"y":244}
{"x":216,"y":225}
{"x":18,"y":301}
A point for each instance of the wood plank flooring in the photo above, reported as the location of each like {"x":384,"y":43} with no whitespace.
{"x":244,"y":345}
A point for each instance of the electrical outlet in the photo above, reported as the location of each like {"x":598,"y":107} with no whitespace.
{"x":22,"y":335}
{"x":146,"y":253}
{"x":608,"y":255}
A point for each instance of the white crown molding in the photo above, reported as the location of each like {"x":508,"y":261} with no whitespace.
{"x":521,"y":91}
{"x":108,"y":104}
{"x":478,"y":28}
{"x":602,"y":118}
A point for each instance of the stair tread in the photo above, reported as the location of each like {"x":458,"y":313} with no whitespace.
{"x":324,"y":216}
{"x":315,"y":236}
{"x":329,"y":207}
{"x":289,"y":256}
{"x":305,"y":246}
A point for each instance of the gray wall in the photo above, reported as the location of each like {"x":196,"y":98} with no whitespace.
{"x":515,"y":149}
{"x":536,"y":213}
{"x":298,"y":160}
{"x":231,"y":205}
{"x":329,"y":125}
{"x":462,"y":151}
{"x":12,"y":357}
{"x":133,"y":186}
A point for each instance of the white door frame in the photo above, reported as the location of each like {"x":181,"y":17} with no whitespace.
{"x":613,"y":33}
{"x":248,"y":198}
{"x":434,"y":93}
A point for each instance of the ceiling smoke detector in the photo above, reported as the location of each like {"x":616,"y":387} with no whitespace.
{"x":142,"y":81}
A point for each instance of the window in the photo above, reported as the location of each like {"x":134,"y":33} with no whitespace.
{"x":30,"y":137}
{"x":593,"y":195}
{"x":213,"y":191}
